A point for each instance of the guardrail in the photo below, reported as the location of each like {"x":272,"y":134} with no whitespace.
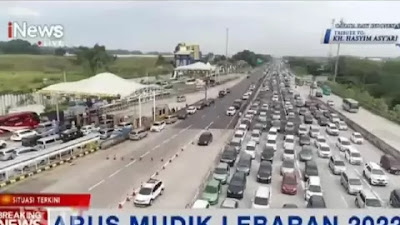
{"x":376,"y":141}
{"x":37,"y":158}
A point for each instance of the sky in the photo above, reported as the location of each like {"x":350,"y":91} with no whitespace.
{"x":278,"y":28}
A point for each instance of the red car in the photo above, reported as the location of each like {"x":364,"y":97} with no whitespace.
{"x":289,"y":184}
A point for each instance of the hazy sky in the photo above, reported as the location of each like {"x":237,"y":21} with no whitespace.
{"x":277,"y":28}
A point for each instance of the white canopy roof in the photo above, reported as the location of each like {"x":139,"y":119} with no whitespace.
{"x":196,"y":66}
{"x":103,"y":84}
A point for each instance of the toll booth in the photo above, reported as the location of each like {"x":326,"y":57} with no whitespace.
{"x":161,"y":111}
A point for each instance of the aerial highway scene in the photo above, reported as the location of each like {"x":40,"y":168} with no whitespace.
{"x":214,"y":107}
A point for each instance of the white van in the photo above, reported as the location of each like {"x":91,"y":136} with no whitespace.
{"x":262,"y":198}
{"x":46,"y":142}
{"x":251,"y":149}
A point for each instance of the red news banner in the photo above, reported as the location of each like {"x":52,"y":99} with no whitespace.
{"x":30,"y":209}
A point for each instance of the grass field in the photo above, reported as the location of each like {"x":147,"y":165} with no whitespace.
{"x":299,"y":70}
{"x":24,"y":73}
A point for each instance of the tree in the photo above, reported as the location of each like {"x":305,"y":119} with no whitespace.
{"x":160,"y":61}
{"x":94,"y":59}
{"x":59,"y":51}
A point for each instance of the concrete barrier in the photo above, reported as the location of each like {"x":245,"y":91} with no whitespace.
{"x":376,"y":141}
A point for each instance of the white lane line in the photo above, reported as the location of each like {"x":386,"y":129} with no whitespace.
{"x":181,"y":131}
{"x":166,"y":141}
{"x":155,"y":147}
{"x":97,"y":184}
{"x":115,"y":173}
{"x":174,"y":136}
{"x":148,"y":152}
{"x":131,"y":163}
{"x":209,"y":125}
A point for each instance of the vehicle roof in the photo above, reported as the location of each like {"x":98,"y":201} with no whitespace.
{"x":352,"y":149}
{"x":49,"y":137}
{"x":222,"y":165}
{"x":22,"y":130}
{"x":236,"y":139}
{"x":314,"y":180}
{"x":369,"y":194}
{"x":289,"y":136}
{"x":239,"y":132}
{"x":255,"y":130}
{"x":343,"y":138}
{"x":374,"y":165}
{"x":251,"y":143}
{"x":263,"y":192}
{"x":351,"y":175}
{"x":356,"y":133}
{"x":291,"y":175}
{"x":206,"y":133}
{"x":324,"y":145}
{"x":213,"y":182}
{"x":229,"y":202}
{"x":200,"y":204}
{"x":336,"y":158}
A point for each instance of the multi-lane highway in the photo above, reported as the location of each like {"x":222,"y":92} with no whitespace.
{"x":109,"y":180}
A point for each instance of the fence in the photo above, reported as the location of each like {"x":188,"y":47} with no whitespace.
{"x":8,"y":101}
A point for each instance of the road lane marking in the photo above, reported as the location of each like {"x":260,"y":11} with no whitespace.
{"x":174,"y":136}
{"x":185,"y":129}
{"x":345,"y":201}
{"x":208,"y":126}
{"x":97,"y":184}
{"x":166,"y":141}
{"x":145,"y":154}
{"x":129,"y":164}
{"x":115,"y":173}
{"x":155,"y":147}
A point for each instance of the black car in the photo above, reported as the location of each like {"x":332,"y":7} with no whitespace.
{"x":290,"y":206}
{"x":308,"y":119}
{"x":228,"y":90}
{"x":209,"y":101}
{"x":395,"y":198}
{"x":391,"y":164}
{"x":205,"y":138}
{"x":318,"y":94}
{"x":237,"y":104}
{"x":304,"y":140}
{"x":182,"y":114}
{"x":221,"y":93}
{"x":318,"y":114}
{"x":268,"y":154}
{"x":316,"y":201}
{"x":311,"y":169}
{"x":237,"y":185}
{"x":229,"y":155}
{"x":200,"y":105}
{"x":323,"y":121}
{"x":264,"y":173}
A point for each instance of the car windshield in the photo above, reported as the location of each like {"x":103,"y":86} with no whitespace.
{"x":261,"y":201}
{"x":289,"y":140}
{"x":235,"y":143}
{"x":378,"y":172}
{"x":239,"y":134}
{"x":355,"y":154}
{"x":357,"y":136}
{"x":314,"y":188}
{"x":220,"y":170}
{"x":325,"y":148}
{"x":321,"y":140}
{"x":339,"y":163}
{"x":288,"y":151}
{"x":211,"y":189}
{"x":290,"y":180}
{"x":255,"y":134}
{"x":373,"y":203}
{"x":288,"y":164}
{"x":145,"y":191}
{"x":25,"y":132}
{"x":290,"y":125}
{"x":345,"y":142}
{"x":272,"y":132}
{"x":250,"y":147}
{"x":302,"y":128}
{"x":314,"y":129}
{"x":355,"y":182}
{"x":271,"y":141}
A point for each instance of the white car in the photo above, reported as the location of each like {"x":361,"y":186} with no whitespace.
{"x":3,"y":144}
{"x":331,"y":129}
{"x":240,"y":134}
{"x":246,"y":96}
{"x":375,"y":174}
{"x":19,"y":134}
{"x":252,"y":112}
{"x":330,"y":103}
{"x":231,"y":111}
{"x":335,"y":118}
{"x":251,"y":149}
{"x":343,"y":144}
{"x":302,"y":130}
{"x":87,"y":129}
{"x":313,"y":187}
{"x":288,"y":154}
{"x":149,"y":192}
{"x":320,"y":140}
{"x":243,"y":127}
{"x":275,"y":98}
{"x":263,"y":113}
{"x":289,"y":142}
{"x":353,"y":156}
{"x":324,"y":151}
{"x":191,"y":110}
{"x":314,"y":131}
{"x":157,"y":126}
{"x":357,"y":138}
{"x":201,"y":204}
{"x":276,"y":115}
{"x":273,"y":133}
{"x":342,"y":125}
{"x":291,"y":116}
{"x":256,"y":135}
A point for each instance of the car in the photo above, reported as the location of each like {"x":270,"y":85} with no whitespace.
{"x":302,"y":130}
{"x":332,"y":130}
{"x":222,"y":172}
{"x":267,"y":154}
{"x":357,"y":138}
{"x":276,"y":115}
{"x":259,"y":126}
{"x":243,"y":127}
{"x":252,"y":110}
{"x":205,"y":138}
{"x":289,"y":206}
{"x":313,"y":188}
{"x":191,"y":110}
{"x":249,"y":116}
{"x":237,"y":185}
{"x":201,"y":204}
{"x":289,"y":128}
{"x":336,"y":165}
{"x":237,"y":104}
{"x":251,"y":149}
{"x":316,"y":201}
{"x":221,"y":93}
{"x":318,"y":94}
{"x":334,"y":118}
{"x":390,"y":164}
{"x":24,"y":133}
{"x":263,"y":113}
{"x":255,"y":135}
{"x":263,"y":120}
{"x":229,"y":155}
{"x":394,"y":199}
{"x":275,"y":98}
{"x":289,"y":142}
{"x":273,"y":133}
{"x":271,"y":142}
{"x":209,"y":101}
{"x":87,"y":129}
{"x":304,"y":140}
{"x":247,"y":122}
{"x":288,"y":154}
{"x":324,"y":151}
{"x":353,"y":156}
{"x":308,"y":119}
{"x":246,"y":96}
{"x":148,"y":192}
{"x":289,"y":184}
{"x":351,"y":182}
{"x":228,"y":90}
{"x":320,"y":140}
{"x":236,"y":143}
{"x":182,"y":114}
{"x":375,"y":174}
{"x":264,"y":173}
{"x":317,"y":115}
{"x":262,"y":198}
{"x":367,"y":199}
{"x":158,"y":126}
{"x":201,"y":105}
{"x":288,"y":166}
{"x":240,"y":134}
{"x":306,"y":153}
{"x":343,"y":143}
{"x":308,"y":103}
{"x":330,"y":103}
{"x":302,"y":111}
{"x":276,"y":124}
{"x":3,"y":144}
{"x":323,"y":121}
{"x":341,"y":125}
{"x":310,"y":170}
{"x":231,"y":111}
{"x":171,"y":119}
{"x":229,"y":203}
{"x":212,"y":191}
{"x":244,"y":163}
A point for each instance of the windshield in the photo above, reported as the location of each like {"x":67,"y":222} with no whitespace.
{"x":288,"y":164}
{"x":357,"y":136}
{"x":355,"y":182}
{"x":211,"y":189}
{"x":239,"y":135}
{"x":290,"y":125}
{"x":289,"y":151}
{"x":314,"y":129}
{"x":271,"y":141}
{"x":145,"y":191}
{"x":339,"y":163}
{"x":288,"y":140}
{"x":355,"y":155}
{"x":261,"y":201}
{"x":235,"y":143}
{"x":321,"y":140}
{"x":255,"y":134}
{"x":220,"y":171}
{"x":345,"y":142}
{"x":373,"y":203}
{"x":290,"y":180}
{"x":272,"y":132}
{"x":250,"y":148}
{"x":314,"y":188}
{"x":378,"y":172}
{"x":325,"y":149}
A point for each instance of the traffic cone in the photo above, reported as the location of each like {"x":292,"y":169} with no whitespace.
{"x":182,"y":149}
{"x":162,"y":160}
{"x":128,"y":198}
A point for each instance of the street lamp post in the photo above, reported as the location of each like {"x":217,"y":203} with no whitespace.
{"x":140,"y":110}
{"x":154,"y":105}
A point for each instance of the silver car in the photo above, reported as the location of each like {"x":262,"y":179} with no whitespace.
{"x":287,"y":166}
{"x":222,"y":172}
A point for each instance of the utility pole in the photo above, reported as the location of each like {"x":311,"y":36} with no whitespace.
{"x":226,"y":49}
{"x":154,"y":105}
{"x":140,"y":110}
{"x":337,"y":59}
{"x":65,"y":76}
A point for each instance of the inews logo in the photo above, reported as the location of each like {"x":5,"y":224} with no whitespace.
{"x":44,"y":35}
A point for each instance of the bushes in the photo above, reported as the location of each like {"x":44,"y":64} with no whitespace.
{"x":377,"y":106}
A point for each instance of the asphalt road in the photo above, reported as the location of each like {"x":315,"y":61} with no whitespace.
{"x":334,"y":194}
{"x":110,"y":180}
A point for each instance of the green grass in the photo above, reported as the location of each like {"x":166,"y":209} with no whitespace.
{"x":24,"y":73}
{"x":299,"y":70}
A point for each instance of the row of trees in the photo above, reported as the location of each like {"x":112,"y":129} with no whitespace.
{"x":251,"y":58}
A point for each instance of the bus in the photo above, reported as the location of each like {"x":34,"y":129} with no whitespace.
{"x":18,"y":121}
{"x":350,"y":105}
{"x":326,"y":90}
